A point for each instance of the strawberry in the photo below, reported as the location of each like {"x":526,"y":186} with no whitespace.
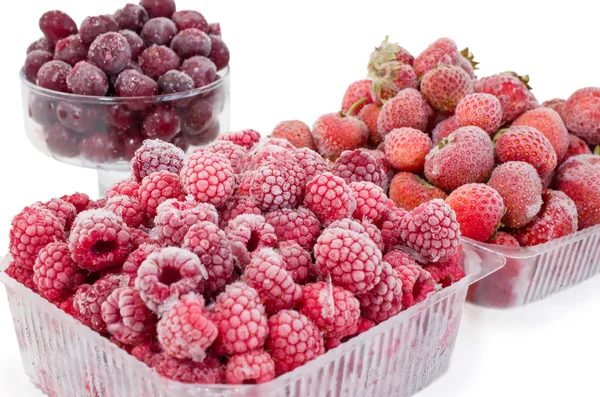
{"x":369,"y":115}
{"x":466,"y":60}
{"x":295,"y":131}
{"x":511,"y":90}
{"x":505,"y":239}
{"x":430,"y":58}
{"x":408,"y":191}
{"x":576,"y":146}
{"x":558,"y":105}
{"x":582,"y":114}
{"x":334,"y":133}
{"x":523,"y":143}
{"x":444,"y":128}
{"x":549,"y":123}
{"x":406,"y":109}
{"x":357,"y":91}
{"x":391,"y":71}
{"x":444,"y":87}
{"x":406,"y":148}
{"x":481,"y":110}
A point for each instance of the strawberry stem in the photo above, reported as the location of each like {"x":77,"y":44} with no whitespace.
{"x":499,"y":134}
{"x":597,"y":150}
{"x":353,"y":107}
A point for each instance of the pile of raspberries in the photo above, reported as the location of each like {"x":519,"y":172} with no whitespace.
{"x":239,"y":263}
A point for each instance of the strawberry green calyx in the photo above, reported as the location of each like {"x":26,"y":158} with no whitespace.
{"x":524,"y":78}
{"x":470,"y":57}
{"x":424,"y":183}
{"x":597,"y":150}
{"x":499,"y":134}
{"x":385,"y":65}
{"x":353,"y":108}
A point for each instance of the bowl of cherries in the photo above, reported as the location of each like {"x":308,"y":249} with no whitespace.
{"x":93,"y":93}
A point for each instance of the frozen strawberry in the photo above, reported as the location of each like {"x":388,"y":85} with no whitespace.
{"x":406,"y":148}
{"x":549,"y":123}
{"x":407,"y":109}
{"x":431,"y":56}
{"x":369,"y":115}
{"x":582,"y":114}
{"x":445,"y":86}
{"x":524,"y":143}
{"x":479,"y":210}
{"x":577,"y":146}
{"x":511,"y":90}
{"x":481,"y":110}
{"x":466,"y":60}
{"x":558,"y":105}
{"x":334,"y":133}
{"x":503,"y":238}
{"x":521,"y":188}
{"x":391,"y":71}
{"x":295,"y":131}
{"x":357,"y":91}
{"x":444,"y":128}
{"x":466,"y":156}
{"x":408,"y":191}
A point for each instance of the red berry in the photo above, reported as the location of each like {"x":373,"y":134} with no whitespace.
{"x":64,"y":211}
{"x":53,"y":76}
{"x":174,"y":218}
{"x":481,"y":110}
{"x":234,"y":153}
{"x":87,"y":79}
{"x":57,"y":25}
{"x":358,"y":166}
{"x":523,"y":143}
{"x":254,"y":367}
{"x":132,"y":83}
{"x":201,"y":69}
{"x":278,"y":185}
{"x":55,"y":274}
{"x":158,"y":32}
{"x":41,"y":44}
{"x":549,"y":123}
{"x":136,"y":44}
{"x":126,"y":316}
{"x":582,"y":114}
{"x":511,"y":91}
{"x":77,"y":117}
{"x":445,"y":86}
{"x":92,"y":27}
{"x":558,"y":105}
{"x":444,"y":128}
{"x":191,"y":42}
{"x":137,"y":257}
{"x":159,"y":8}
{"x":245,"y":138}
{"x":159,"y":187}
{"x":208,"y":372}
{"x":335,"y":133}
{"x":156,"y":155}
{"x":329,"y":197}
{"x":235,"y":206}
{"x":369,"y":115}
{"x":311,"y":162}
{"x":431,"y":56}
{"x":296,"y":260}
{"x":110,"y":52}
{"x":22,"y":275}
{"x":389,"y":224}
{"x":175,"y":81}
{"x":101,"y":148}
{"x":208,"y":177}
{"x":576,"y":146}
{"x":127,"y":187}
{"x":220,"y":52}
{"x":34,"y":61}
{"x":158,"y":60}
{"x":447,"y":273}
{"x":131,"y":17}
{"x":128,"y":208}
{"x":295,"y":131}
{"x":161,"y":122}
{"x":390,"y":67}
{"x":197,"y":121}
{"x":408,"y":191}
{"x":300,"y":226}
{"x":359,"y":90}
{"x":417,"y":284}
{"x":406,"y":148}
{"x":407,"y":109}
{"x":190,"y":20}
{"x":503,"y":238}
{"x":79,"y":200}
{"x":139,"y":237}
{"x":371,"y":201}
{"x":62,"y":142}
{"x":385,"y":300}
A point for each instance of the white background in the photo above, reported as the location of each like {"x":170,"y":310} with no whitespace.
{"x":295,"y":62}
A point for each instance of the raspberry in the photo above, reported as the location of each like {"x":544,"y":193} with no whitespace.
{"x":389,"y":224}
{"x":549,"y":123}
{"x":244,"y":138}
{"x":445,"y":86}
{"x":296,"y":132}
{"x":240,"y":317}
{"x":329,"y":197}
{"x":480,"y":110}
{"x":406,"y":148}
{"x":351,"y":259}
{"x":335,"y":133}
{"x":234,"y":153}
{"x":278,"y":185}
{"x":174,"y":218}
{"x":371,"y":201}
{"x":254,"y":367}
{"x":408,"y":191}
{"x":126,"y":316}
{"x":266,"y":153}
{"x":207,"y":372}
{"x":276,"y":287}
{"x":398,"y":258}
{"x":447,"y":273}
{"x":511,"y":90}
{"x":431,"y":56}
{"x":358,"y":166}
{"x":99,"y":239}
{"x":206,"y":240}
{"x":128,"y":208}
{"x":54,"y":273}
{"x":96,"y":204}
{"x":296,"y":260}
{"x":385,"y":300}
{"x":576,"y":146}
{"x":159,"y":187}
{"x":523,"y":143}
{"x":359,"y":90}
{"x":466,"y":156}
{"x":88,"y":300}
{"x":374,"y":234}
{"x":521,"y":189}
{"x":135,"y":259}
{"x":22,"y":275}
{"x":311,"y":162}
{"x":331,"y":308}
{"x":300,"y":226}
{"x":208,"y":177}
{"x":417,"y":284}
{"x":386,"y":167}
{"x":503,"y":238}
{"x":237,"y":205}
{"x":149,"y":353}
{"x":168,"y":274}
{"x":444,"y":128}
{"x":63,"y":211}
{"x":31,"y":230}
{"x":582,"y":114}
{"x":127,"y":187}
{"x":361,"y":227}
{"x":79,"y":200}
{"x":369,"y":115}
{"x":185,"y":331}
{"x":156,"y":155}
{"x":139,"y":237}
{"x":431,"y":229}
{"x":479,"y":210}
{"x":247,"y":234}
{"x":293,"y":340}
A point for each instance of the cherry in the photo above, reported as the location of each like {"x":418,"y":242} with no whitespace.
{"x":101,"y":147}
{"x":191,"y":42}
{"x":71,"y":50}
{"x":110,"y":52}
{"x":161,"y":122}
{"x":53,"y":76}
{"x":159,"y":8}
{"x":190,"y":19}
{"x":87,"y":79}
{"x":210,"y":134}
{"x":196,"y":117}
{"x":41,"y":109}
{"x":92,"y":27}
{"x":41,"y":44}
{"x":62,"y":142}
{"x":158,"y":31}
{"x":202,"y":70}
{"x":34,"y":61}
{"x":132,"y":83}
{"x":57,"y":25}
{"x":76,"y":116}
{"x":175,"y":81}
{"x":131,"y":17}
{"x":121,"y":117}
{"x":135,"y":43}
{"x":158,"y":60}
{"x":220,"y":52}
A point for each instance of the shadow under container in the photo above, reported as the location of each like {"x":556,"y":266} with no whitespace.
{"x":103,"y":133}
{"x":535,"y":273}
{"x":397,"y":358}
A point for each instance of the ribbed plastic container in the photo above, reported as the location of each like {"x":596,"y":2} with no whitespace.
{"x":535,"y":273}
{"x":399,"y":357}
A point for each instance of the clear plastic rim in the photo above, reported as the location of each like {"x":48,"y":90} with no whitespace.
{"x":104,"y":100}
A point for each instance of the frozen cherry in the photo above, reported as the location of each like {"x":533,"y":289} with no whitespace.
{"x":191,"y":42}
{"x":132,"y":83}
{"x":53,"y":76}
{"x":42,"y":109}
{"x":181,"y":142}
{"x":135,"y":43}
{"x":101,"y":147}
{"x":189,"y":19}
{"x":214,"y":29}
{"x":87,"y":79}
{"x":57,"y":25}
{"x":131,"y":17}
{"x":110,"y":52}
{"x":159,"y":31}
{"x":71,"y":50}
{"x":76,"y":116}
{"x":220,"y":52}
{"x":62,"y":142}
{"x":121,"y":117}
{"x":161,"y":122}
{"x":158,"y":60}
{"x":41,"y":44}
{"x":131,"y":143}
{"x":34,"y":61}
{"x":196,"y":117}
{"x":207,"y":136}
{"x":202,"y":70}
{"x":92,"y":27}
{"x":175,"y":81}
{"x":159,"y":8}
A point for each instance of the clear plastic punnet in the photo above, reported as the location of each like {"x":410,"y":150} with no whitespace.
{"x":535,"y":273}
{"x":399,"y":357}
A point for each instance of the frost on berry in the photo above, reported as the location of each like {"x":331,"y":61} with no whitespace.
{"x":209,"y":371}
{"x":156,"y":155}
{"x":445,"y":86}
{"x":480,"y":110}
{"x":236,"y":154}
{"x":296,"y":260}
{"x":385,"y":299}
{"x":278,"y":185}
{"x":524,"y":143}
{"x":55,"y":274}
{"x":245,"y":138}
{"x":358,"y":166}
{"x":64,"y":211}
{"x":389,"y":224}
{"x":237,"y":205}
{"x":301,"y":226}
{"x":208,"y":177}
{"x":128,"y":208}
{"x":311,"y":162}
{"x":21,"y":275}
{"x":247,"y":234}
{"x":254,"y":367}
{"x":127,"y":187}
{"x":365,"y":227}
{"x":335,"y":133}
{"x":134,"y":260}
{"x":167,"y":275}
{"x":174,"y":218}
{"x":549,"y":123}
{"x":296,"y":132}
{"x":431,"y":56}
{"x":126,"y":316}
{"x":371,"y":201}
{"x":408,"y":191}
{"x":329,"y":197}
{"x":406,"y":149}
{"x":357,"y":91}
{"x":159,"y":187}
{"x":407,"y":109}
{"x":417,"y":284}
{"x":445,"y":274}
{"x":582,"y":114}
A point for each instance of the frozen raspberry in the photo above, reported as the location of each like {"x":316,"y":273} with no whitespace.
{"x":407,"y":109}
{"x":92,"y":27}
{"x":53,"y":76}
{"x":293,"y":340}
{"x":417,"y":284}
{"x":243,"y":185}
{"x":358,"y":166}
{"x":431,"y":56}
{"x":31,"y":230}
{"x":131,"y":17}
{"x":191,"y":42}
{"x":99,"y":239}
{"x":88,"y":300}
{"x":110,"y":52}
{"x":374,"y":234}
{"x":96,"y":204}
{"x":582,"y":114}
{"x":444,"y":128}
{"x":234,"y":153}
{"x":503,"y":238}
{"x":159,"y":187}
{"x":295,"y":131}
{"x":254,"y":367}
{"x":167,"y":275}
{"x":209,"y":371}
{"x":265,"y":153}
{"x":208,"y":177}
{"x":389,"y":224}
{"x":206,"y":240}
{"x":351,"y":259}
{"x":329,"y":197}
{"x":524,"y":143}
{"x":158,"y":31}
{"x":132,"y":83}
{"x":480,"y":110}
{"x":245,"y":138}
{"x":408,"y":191}
{"x":158,"y":60}
{"x":64,"y":211}
{"x":237,"y":205}
{"x":447,"y":273}
{"x":33,"y":63}
{"x":576,"y":146}
{"x":397,"y":258}
{"x":281,"y":142}
{"x":141,"y":236}
{"x":385,"y":300}
{"x":311,"y":162}
{"x":479,"y":210}
{"x":57,"y":25}
{"x":549,"y":123}
{"x":159,"y":8}
{"x":126,"y":316}
{"x":185,"y":331}
{"x":296,"y":260}
{"x":579,"y":178}
{"x":156,"y":155}
{"x":335,"y":133}
{"x":406,"y":149}
{"x":150,"y":353}
{"x":369,"y":115}
{"x":220,"y":52}
{"x":521,"y":189}
{"x":175,"y":81}
{"x":432,"y":231}
{"x":357,"y":91}
{"x":128,"y":208}
{"x":22,"y":275}
{"x":190,"y":19}
{"x":174,"y":218}
{"x":201,"y":69}
{"x":301,"y":226}
{"x":511,"y":90}
{"x":41,"y":44}
{"x":466,"y":156}
{"x":128,"y":187}
{"x":87,"y":79}
{"x":371,"y":201}
{"x":445,"y":86}
{"x":137,"y":46}
{"x":135,"y":259}
{"x":54,"y":273}
{"x":240,"y":317}
{"x":278,"y":185}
